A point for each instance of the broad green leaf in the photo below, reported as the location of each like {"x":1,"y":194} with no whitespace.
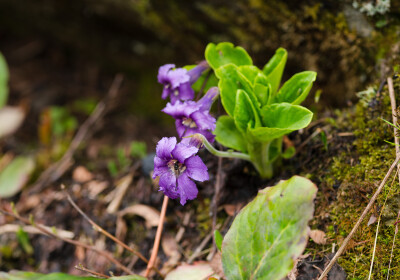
{"x":225,"y":53}
{"x":285,"y":115}
{"x":245,"y":114}
{"x":274,"y":68}
{"x":250,"y":72}
{"x":248,"y":75}
{"x":228,"y":135}
{"x":270,"y":232}
{"x":296,"y":89}
{"x":198,"y":271}
{"x":262,"y":89}
{"x":230,"y":82}
{"x":218,"y":239}
{"x":15,"y":175}
{"x":281,"y":119}
{"x":23,"y":275}
{"x":3,"y":81}
{"x":263,"y":93}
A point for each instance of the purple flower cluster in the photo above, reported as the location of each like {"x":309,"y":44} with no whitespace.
{"x":194,"y":117}
{"x":176,"y":164}
{"x":177,"y":81}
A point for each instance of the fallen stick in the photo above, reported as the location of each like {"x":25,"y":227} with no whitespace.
{"x":56,"y":170}
{"x":44,"y":229}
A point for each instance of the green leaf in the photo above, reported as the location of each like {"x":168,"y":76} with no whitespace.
{"x":289,"y":152}
{"x":245,"y":114}
{"x":23,"y":275}
{"x":263,"y":93}
{"x":296,"y":89}
{"x":138,"y":149}
{"x":228,"y":135}
{"x":229,"y":83}
{"x":250,"y":72}
{"x":281,"y":119}
{"x":274,"y":68}
{"x":15,"y":175}
{"x":270,"y":232}
{"x":23,"y":240}
{"x":225,"y":53}
{"x":218,"y":239}
{"x":3,"y":81}
{"x":324,"y":140}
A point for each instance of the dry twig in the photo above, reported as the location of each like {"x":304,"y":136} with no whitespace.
{"x":102,"y":231}
{"x":91,"y":272}
{"x":396,"y":141}
{"x":56,"y":170}
{"x":394,"y":118}
{"x":43,"y":229}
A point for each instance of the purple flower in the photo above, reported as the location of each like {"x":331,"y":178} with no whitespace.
{"x":176,"y":164}
{"x":194,"y":117}
{"x":177,"y":81}
{"x":196,"y":72}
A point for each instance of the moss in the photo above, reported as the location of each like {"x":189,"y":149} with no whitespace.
{"x":358,"y":169}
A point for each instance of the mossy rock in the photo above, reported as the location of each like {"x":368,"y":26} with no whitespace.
{"x":348,"y":177}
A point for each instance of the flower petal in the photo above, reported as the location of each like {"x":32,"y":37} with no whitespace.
{"x":181,"y":109}
{"x":165,"y":147}
{"x":186,"y":92}
{"x":187,"y":188}
{"x":193,"y":141}
{"x":180,"y":128}
{"x":197,"y":71}
{"x":177,"y":77}
{"x":168,"y":185}
{"x":182,"y":152}
{"x":163,"y":73}
{"x":207,"y":100}
{"x":166,"y":92}
{"x":160,"y":167}
{"x":196,"y":169}
{"x":204,"y":120}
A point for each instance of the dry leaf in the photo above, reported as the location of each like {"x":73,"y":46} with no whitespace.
{"x":10,"y":118}
{"x":122,"y":187}
{"x":151,"y":215}
{"x":372,"y":219}
{"x":318,"y":236}
{"x":81,"y":174}
{"x":197,"y":271}
{"x":96,"y":187}
{"x":216,"y":264}
{"x":232,"y":209}
{"x":170,"y":248}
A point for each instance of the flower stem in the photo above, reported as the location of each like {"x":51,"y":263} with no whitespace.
{"x":158,"y":238}
{"x":227,"y":154}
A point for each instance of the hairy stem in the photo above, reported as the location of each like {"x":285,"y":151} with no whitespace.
{"x":227,"y":154}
